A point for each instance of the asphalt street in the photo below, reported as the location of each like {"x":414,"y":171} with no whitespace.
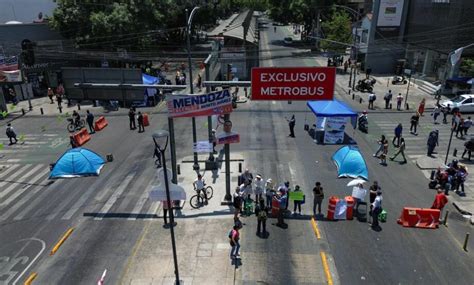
{"x":109,"y":212}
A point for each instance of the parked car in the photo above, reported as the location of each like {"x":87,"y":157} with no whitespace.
{"x":464,"y":103}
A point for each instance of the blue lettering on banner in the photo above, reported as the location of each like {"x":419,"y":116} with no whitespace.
{"x":209,"y":99}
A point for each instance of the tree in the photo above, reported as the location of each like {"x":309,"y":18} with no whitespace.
{"x":467,"y":67}
{"x":337,"y":32}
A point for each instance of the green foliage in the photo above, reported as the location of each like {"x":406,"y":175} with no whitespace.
{"x":467,"y":67}
{"x":337,"y":29}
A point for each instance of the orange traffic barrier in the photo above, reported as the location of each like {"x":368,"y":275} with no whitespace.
{"x":332,"y":207}
{"x":419,"y":218}
{"x":350,"y":207}
{"x":82,"y":137}
{"x":146,"y":122}
{"x":275,"y":208}
{"x":100,"y":123}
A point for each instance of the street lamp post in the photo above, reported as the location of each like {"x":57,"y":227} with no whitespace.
{"x":160,"y":138}
{"x":189,"y":21}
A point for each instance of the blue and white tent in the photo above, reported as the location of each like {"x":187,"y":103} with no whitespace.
{"x":77,"y":162}
{"x":350,"y":163}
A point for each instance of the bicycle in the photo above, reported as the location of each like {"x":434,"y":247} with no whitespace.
{"x":72,"y":126}
{"x":198,"y":199}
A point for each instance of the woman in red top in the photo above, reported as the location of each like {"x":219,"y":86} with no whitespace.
{"x":421,"y":107}
{"x":440,"y":201}
{"x":234,"y":242}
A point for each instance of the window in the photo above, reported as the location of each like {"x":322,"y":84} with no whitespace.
{"x":467,"y":101}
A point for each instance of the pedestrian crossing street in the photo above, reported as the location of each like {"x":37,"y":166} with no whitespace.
{"x":26,"y":193}
{"x":31,"y":145}
{"x":416,"y":144}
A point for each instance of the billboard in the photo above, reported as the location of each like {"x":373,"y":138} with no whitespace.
{"x":215,"y":103}
{"x":293,"y":83}
{"x":390,"y":13}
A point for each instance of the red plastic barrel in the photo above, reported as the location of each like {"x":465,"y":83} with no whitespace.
{"x":275,"y":208}
{"x":332,"y":207}
{"x":350,"y":207}
{"x":145,"y":120}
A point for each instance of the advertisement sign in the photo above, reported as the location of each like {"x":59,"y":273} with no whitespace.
{"x":10,"y":76}
{"x":333,"y":137}
{"x":228,"y":138}
{"x":293,"y":83}
{"x":335,"y":123}
{"x":215,"y":103}
{"x":390,"y":13}
{"x":202,"y":146}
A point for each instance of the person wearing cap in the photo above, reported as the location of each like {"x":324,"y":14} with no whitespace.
{"x":50,"y":95}
{"x":259,"y":187}
{"x":376,"y":209}
{"x":282,"y":199}
{"x":297,"y":204}
{"x":269,"y":192}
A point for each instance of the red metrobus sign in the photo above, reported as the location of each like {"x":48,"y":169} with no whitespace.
{"x":293,"y":83}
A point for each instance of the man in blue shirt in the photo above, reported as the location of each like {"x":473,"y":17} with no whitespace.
{"x":282,"y":201}
{"x":398,"y":134}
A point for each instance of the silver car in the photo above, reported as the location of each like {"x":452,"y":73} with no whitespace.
{"x":465,"y":103}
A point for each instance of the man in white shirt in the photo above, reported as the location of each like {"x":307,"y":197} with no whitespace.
{"x":199,"y":185}
{"x":376,"y":209}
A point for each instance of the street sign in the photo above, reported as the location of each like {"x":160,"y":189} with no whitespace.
{"x":293,"y":83}
{"x":214,"y":103}
{"x":407,"y":71}
{"x":202,"y":146}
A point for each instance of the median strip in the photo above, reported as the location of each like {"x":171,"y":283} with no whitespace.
{"x":315,"y":228}
{"x":61,"y":241}
{"x":326,"y":268}
{"x":30,"y":278}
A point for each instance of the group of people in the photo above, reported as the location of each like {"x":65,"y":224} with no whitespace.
{"x":180,"y":78}
{"x":134,"y":117}
{"x":58,"y":95}
{"x":451,"y":178}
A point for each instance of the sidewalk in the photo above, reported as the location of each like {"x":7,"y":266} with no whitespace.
{"x":203,"y":248}
{"x":415,"y":95}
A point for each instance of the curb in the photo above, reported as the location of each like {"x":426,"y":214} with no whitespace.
{"x":463,"y":212}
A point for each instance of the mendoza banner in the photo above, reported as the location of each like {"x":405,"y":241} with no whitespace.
{"x":215,"y":103}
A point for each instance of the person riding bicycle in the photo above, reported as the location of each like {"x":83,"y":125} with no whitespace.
{"x":76,"y":117}
{"x":199,"y":185}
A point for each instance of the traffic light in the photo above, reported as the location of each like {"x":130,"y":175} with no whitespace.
{"x":27,"y":53}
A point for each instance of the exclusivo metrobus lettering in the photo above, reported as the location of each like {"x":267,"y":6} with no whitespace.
{"x":293,"y":77}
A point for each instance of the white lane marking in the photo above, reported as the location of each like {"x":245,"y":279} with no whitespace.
{"x":154,"y":209}
{"x":63,"y":203}
{"x":142,"y":200}
{"x":105,"y":209}
{"x":13,"y":177}
{"x":43,"y":247}
{"x":8,"y":170}
{"x":24,"y":188}
{"x":39,"y":199}
{"x":20,"y":203}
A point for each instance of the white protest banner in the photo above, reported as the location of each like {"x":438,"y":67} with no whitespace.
{"x":202,"y":147}
{"x":335,"y":123}
{"x":333,"y":137}
{"x":359,"y":193}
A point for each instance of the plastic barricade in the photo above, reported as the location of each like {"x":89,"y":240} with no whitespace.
{"x":100,"y":123}
{"x":82,"y":137}
{"x":419,"y":218}
{"x":350,"y":207}
{"x":332,"y":207}
{"x":146,"y":122}
{"x":275,"y":208}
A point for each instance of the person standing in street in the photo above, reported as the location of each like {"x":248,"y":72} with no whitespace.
{"x":398,"y":134}
{"x":401,"y":150}
{"x":373,"y":193}
{"x":141,"y":126}
{"x":399,"y":101}
{"x":439,"y":202}
{"x":234,"y":242}
{"x":432,"y":141}
{"x":50,"y":95}
{"x":237,"y":203}
{"x":468,"y":148}
{"x":259,"y":187}
{"x":90,"y":121}
{"x":10,"y":132}
{"x":381,"y":143}
{"x":414,"y":123}
{"x":282,"y":202}
{"x":59,"y":99}
{"x":388,"y":98}
{"x":372,"y":99}
{"x":269,"y":192}
{"x":467,"y":125}
{"x":261,"y":213}
{"x":445,"y":110}
{"x":291,"y":125}
{"x":297,"y":204}
{"x":318,"y":197}
{"x":435,"y":114}
{"x":421,"y":107}
{"x":131,"y":117}
{"x":376,"y":209}
{"x":384,"y":154}
{"x":346,"y":66}
{"x":166,"y":209}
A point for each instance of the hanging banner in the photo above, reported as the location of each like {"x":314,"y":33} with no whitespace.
{"x":333,"y":137}
{"x":335,"y":123}
{"x":10,"y":76}
{"x":293,"y":83}
{"x":390,"y":13}
{"x":215,"y":103}
{"x":202,"y":146}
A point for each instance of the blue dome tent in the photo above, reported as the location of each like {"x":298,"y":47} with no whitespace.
{"x":77,"y":162}
{"x":350,"y":163}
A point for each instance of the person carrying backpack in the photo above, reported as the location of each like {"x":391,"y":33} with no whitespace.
{"x":10,"y":132}
{"x":261,"y":213}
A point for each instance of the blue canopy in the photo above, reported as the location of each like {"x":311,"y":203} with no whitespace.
{"x":350,"y":163}
{"x":331,"y":108}
{"x":77,"y":162}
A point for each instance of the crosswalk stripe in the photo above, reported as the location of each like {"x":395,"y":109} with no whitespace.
{"x":21,"y":179}
{"x":116,"y":194}
{"x":142,"y":200}
{"x":35,"y":202}
{"x":153,"y":209}
{"x":13,"y":178}
{"x":32,"y":182}
{"x":10,"y":168}
{"x":63,"y":203}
